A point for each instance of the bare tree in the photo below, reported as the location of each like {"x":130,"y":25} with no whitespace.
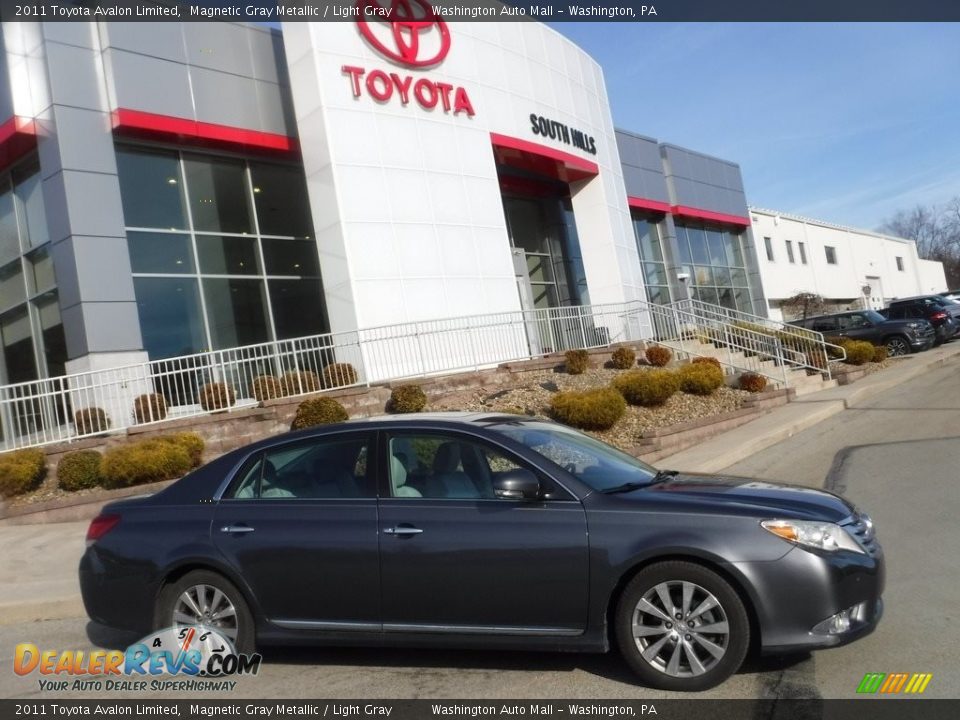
{"x":936,"y":231}
{"x":803,"y":305}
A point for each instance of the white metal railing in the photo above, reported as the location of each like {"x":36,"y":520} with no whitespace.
{"x":80,"y":405}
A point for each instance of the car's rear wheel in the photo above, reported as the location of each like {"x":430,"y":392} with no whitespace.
{"x":897,"y":346}
{"x":202,"y":597}
{"x":680,"y":626}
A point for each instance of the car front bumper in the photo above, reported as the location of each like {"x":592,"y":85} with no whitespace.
{"x":805,"y":588}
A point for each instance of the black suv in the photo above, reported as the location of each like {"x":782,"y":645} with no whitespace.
{"x":940,"y":312}
{"x":900,"y":337}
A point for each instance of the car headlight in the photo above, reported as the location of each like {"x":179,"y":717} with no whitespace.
{"x":819,"y":535}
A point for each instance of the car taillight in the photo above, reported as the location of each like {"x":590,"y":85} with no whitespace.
{"x":938,"y":316}
{"x":100,"y":526}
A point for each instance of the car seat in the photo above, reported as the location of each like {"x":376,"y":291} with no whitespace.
{"x":448,"y":480}
{"x":398,"y":476}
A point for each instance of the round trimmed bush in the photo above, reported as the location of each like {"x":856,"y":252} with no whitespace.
{"x":91,"y":420}
{"x":149,"y":408}
{"x":267,"y":387}
{"x":79,"y":470}
{"x":858,"y":352}
{"x":597,"y":409}
{"x":700,"y":379}
{"x":407,"y":399}
{"x":318,"y":411}
{"x":647,"y":387}
{"x":189,"y":441}
{"x":880,"y":353}
{"x":22,"y":471}
{"x":623,"y":358}
{"x":299,"y":382}
{"x":751,"y":382}
{"x":339,"y":375}
{"x":658,"y":356}
{"x":707,"y":361}
{"x":217,"y":396}
{"x":144,"y":462}
{"x":576,"y":362}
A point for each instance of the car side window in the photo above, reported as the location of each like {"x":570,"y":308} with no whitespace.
{"x":321,"y":468}
{"x":854,"y":321}
{"x":825,"y":324}
{"x":436,"y":465}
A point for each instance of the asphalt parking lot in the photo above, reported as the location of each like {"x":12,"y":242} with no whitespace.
{"x":896,"y":456}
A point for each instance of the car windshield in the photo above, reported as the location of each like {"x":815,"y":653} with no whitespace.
{"x":590,"y":461}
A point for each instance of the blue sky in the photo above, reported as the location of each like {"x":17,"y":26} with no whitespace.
{"x":843,"y":122}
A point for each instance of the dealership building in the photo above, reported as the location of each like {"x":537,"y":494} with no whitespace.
{"x":173,"y":188}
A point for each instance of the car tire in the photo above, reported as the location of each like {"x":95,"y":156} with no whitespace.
{"x":679,"y":657}
{"x":897,"y":346}
{"x":205,"y":583}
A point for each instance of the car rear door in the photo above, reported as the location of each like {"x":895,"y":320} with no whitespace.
{"x":299,"y":526}
{"x":454,"y":558}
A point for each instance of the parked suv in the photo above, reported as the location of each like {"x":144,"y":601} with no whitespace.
{"x":940,"y":312}
{"x":900,"y":337}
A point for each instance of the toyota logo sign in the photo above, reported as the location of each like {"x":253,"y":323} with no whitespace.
{"x":410,"y":34}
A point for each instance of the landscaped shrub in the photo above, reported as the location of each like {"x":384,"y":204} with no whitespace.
{"x":647,"y":387}
{"x":143,"y":462}
{"x":597,"y":409}
{"x":149,"y":408}
{"x":318,"y":411}
{"x":79,"y":470}
{"x":880,"y":354}
{"x":91,"y":420}
{"x":707,"y":361}
{"x":21,"y":471}
{"x":299,"y":382}
{"x":407,"y":399}
{"x":817,"y":359}
{"x":267,"y":387}
{"x":658,"y":356}
{"x":217,"y":396}
{"x":189,"y":441}
{"x":700,"y":379}
{"x":833,"y":352}
{"x":338,"y":375}
{"x":576,"y":362}
{"x":751,"y":382}
{"x":623,"y":358}
{"x":858,"y":352}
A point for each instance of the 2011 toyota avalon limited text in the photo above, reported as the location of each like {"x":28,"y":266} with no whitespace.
{"x":490,"y":531}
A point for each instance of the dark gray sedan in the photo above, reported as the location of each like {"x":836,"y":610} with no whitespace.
{"x":490,"y":531}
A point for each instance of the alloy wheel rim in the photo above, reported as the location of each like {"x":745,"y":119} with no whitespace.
{"x":896,"y":348}
{"x":208,"y":606}
{"x":680,"y":629}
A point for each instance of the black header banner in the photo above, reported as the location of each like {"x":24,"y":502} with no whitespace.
{"x":487,"y":10}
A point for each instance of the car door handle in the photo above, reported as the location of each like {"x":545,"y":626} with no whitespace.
{"x":402,"y":531}
{"x":236,"y":529}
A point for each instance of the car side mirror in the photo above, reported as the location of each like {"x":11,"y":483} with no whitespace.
{"x":516,"y":484}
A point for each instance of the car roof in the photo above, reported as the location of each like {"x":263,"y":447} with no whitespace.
{"x":913,"y":297}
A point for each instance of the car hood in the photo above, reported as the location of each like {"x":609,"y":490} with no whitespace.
{"x":756,"y":496}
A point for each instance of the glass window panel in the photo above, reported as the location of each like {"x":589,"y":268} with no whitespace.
{"x":698,"y":246}
{"x":790,"y":257}
{"x":648,"y":240}
{"x":715,"y":246}
{"x":709,"y":295}
{"x":29,"y":194}
{"x":803,"y":253}
{"x":732,"y":249}
{"x":725,"y":297}
{"x":544,"y":296}
{"x":18,"y":347}
{"x":721,"y":276}
{"x":280,"y":195}
{"x":236,"y":312}
{"x":298,"y":308}
{"x":538,"y":266}
{"x":41,"y":271}
{"x":831,"y":254}
{"x":655,"y":273}
{"x":170,"y":317}
{"x":703,"y":275}
{"x":9,"y":236}
{"x":54,"y":340}
{"x":742,"y":298}
{"x":160,"y":253}
{"x":219,"y":201}
{"x":227,"y":255}
{"x":683,"y":245}
{"x":768,"y":245}
{"x":290,"y":257}
{"x":12,"y":290}
{"x":658,"y":295}
{"x":738,"y":277}
{"x":695,"y":293}
{"x":151,"y":188}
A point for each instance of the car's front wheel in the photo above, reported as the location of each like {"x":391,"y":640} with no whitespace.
{"x":680,"y":626}
{"x":897,"y":346}
{"x":202,"y":597}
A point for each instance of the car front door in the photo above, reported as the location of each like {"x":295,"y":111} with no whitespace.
{"x":455,"y":558}
{"x":299,"y":525}
{"x":856,"y":326}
